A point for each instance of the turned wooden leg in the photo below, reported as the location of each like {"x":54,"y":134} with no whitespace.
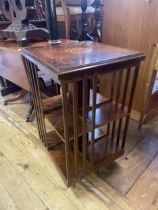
{"x":97,"y":33}
{"x":85,"y":35}
{"x":18,"y":97}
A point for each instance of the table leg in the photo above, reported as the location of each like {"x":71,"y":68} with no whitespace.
{"x":2,"y":82}
{"x":30,"y":109}
{"x":18,"y":97}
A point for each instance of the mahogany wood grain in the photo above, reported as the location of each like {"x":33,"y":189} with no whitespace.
{"x":71,"y":58}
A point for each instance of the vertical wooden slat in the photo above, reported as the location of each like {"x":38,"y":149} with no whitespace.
{"x":126,"y":87}
{"x":75,"y":125}
{"x":84,"y":122}
{"x":123,"y":103}
{"x":111,"y":96}
{"x":119,"y":132}
{"x":30,"y":79}
{"x":36,"y":100}
{"x":113,"y":85}
{"x":113,"y":131}
{"x":27,"y":70}
{"x":117,"y":103}
{"x":119,"y":87}
{"x":136,"y":71}
{"x":40,"y":106}
{"x":64,"y":87}
{"x":93,"y":120}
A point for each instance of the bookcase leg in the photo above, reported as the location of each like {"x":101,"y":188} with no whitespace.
{"x":136,"y":71}
{"x":64,"y":87}
{"x":84,"y":122}
{"x":75,"y":125}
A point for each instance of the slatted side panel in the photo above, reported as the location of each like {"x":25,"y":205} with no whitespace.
{"x":132,"y":91}
{"x":114,"y":130}
{"x":31,"y":71}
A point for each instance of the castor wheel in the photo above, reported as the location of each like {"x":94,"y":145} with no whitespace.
{"x":5,"y":103}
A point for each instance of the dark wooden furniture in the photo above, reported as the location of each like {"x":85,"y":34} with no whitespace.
{"x":12,"y":69}
{"x":11,"y":66}
{"x":12,"y":27}
{"x":82,"y":20}
{"x":133,"y":25}
{"x":89,"y":130}
{"x":150,"y":102}
{"x":20,"y":13}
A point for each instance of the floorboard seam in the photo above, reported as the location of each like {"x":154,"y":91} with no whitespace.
{"x":10,"y":196}
{"x":141,"y":174}
{"x":105,"y":198}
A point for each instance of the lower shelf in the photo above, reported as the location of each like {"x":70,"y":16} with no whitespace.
{"x":104,"y":153}
{"x":58,"y":154}
{"x":104,"y":150}
{"x":53,"y":140}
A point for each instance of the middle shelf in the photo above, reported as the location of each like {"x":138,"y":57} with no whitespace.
{"x":105,"y":114}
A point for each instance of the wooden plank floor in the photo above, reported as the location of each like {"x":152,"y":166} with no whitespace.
{"x":123,"y":173}
{"x":29,"y":179}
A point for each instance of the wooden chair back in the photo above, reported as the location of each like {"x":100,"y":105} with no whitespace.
{"x":153,"y":69}
{"x":40,"y":8}
{"x":66,"y":17}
